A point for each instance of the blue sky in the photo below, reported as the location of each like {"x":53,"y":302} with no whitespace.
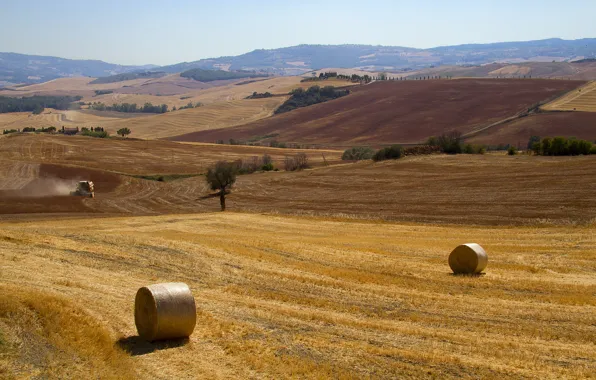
{"x":166,"y":32}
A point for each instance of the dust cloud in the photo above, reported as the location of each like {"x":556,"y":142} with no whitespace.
{"x":44,"y":187}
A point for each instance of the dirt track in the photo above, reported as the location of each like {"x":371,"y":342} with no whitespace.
{"x":551,"y":124}
{"x":399,"y":112}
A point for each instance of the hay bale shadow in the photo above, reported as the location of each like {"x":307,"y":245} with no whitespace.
{"x":467,"y":274}
{"x":135,"y":345}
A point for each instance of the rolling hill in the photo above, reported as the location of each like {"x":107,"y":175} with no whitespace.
{"x":23,"y":68}
{"x":582,"y":99}
{"x":398,"y":112}
{"x":296,"y":60}
{"x":303,"y":58}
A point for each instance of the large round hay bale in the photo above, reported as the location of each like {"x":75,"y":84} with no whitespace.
{"x":165,"y":311}
{"x":468,"y":259}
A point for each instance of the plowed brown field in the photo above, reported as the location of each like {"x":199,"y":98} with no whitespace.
{"x":399,"y":112}
{"x":569,"y":124}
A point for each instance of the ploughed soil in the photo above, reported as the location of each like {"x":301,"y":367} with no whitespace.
{"x":398,"y":112}
{"x":577,"y":124}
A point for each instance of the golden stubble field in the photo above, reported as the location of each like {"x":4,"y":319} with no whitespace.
{"x":281,"y":297}
{"x":581,"y":99}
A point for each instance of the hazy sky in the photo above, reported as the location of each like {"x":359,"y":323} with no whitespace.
{"x":166,"y":32}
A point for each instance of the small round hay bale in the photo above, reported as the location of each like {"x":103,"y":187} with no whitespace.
{"x":468,"y":259}
{"x":165,"y":311}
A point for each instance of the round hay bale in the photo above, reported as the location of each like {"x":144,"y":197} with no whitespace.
{"x":468,"y":259}
{"x":165,"y":311}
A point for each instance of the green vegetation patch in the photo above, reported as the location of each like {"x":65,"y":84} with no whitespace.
{"x":37,"y":104}
{"x":202,"y":75}
{"x":314,"y":95}
{"x":128,"y":76}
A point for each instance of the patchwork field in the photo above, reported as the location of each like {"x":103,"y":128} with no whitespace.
{"x":281,"y":297}
{"x":399,"y":112}
{"x":223,"y":104}
{"x":581,"y":99}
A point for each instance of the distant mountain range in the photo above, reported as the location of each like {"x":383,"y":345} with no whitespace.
{"x":22,"y":68}
{"x":19,"y":68}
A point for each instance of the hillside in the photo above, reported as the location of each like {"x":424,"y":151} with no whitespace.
{"x":303,"y":58}
{"x":550,"y":124}
{"x":582,"y":99}
{"x":22,"y":68}
{"x":297,"y":60}
{"x":221,"y":104}
{"x":398,"y":112}
{"x":550,"y":70}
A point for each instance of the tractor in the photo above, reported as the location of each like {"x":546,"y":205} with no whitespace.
{"x":84,"y":189}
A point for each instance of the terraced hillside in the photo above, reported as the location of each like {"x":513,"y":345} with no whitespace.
{"x":399,"y":112}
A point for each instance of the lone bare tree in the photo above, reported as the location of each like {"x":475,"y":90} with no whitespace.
{"x":221,"y":177}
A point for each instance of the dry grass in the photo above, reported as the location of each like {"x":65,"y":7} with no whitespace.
{"x":581,"y":99}
{"x":223,"y":114}
{"x":282,"y":297}
{"x":47,"y":336}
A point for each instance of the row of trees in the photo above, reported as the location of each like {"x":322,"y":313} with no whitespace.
{"x":314,"y":95}
{"x":560,"y":146}
{"x":37,"y":104}
{"x":257,"y":95}
{"x":130,"y":108}
{"x":189,"y":105}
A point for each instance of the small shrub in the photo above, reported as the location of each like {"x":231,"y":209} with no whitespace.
{"x":512,"y":151}
{"x":450,"y":143}
{"x":298,"y":162}
{"x":389,"y":153}
{"x":267,"y":167}
{"x":593,"y":150}
{"x":358,"y":153}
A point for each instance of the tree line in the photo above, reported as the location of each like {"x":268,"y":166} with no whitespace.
{"x":130,"y":108}
{"x":560,"y":146}
{"x":37,"y":103}
{"x":202,"y":75}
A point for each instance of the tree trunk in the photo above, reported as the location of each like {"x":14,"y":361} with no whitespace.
{"x":222,"y":198}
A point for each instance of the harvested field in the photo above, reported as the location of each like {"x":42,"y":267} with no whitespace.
{"x":489,"y":189}
{"x":282,"y":297}
{"x":569,"y":124}
{"x":136,"y":157}
{"x":223,"y":104}
{"x":581,"y":99}
{"x":217,"y":115}
{"x":398,"y":112}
